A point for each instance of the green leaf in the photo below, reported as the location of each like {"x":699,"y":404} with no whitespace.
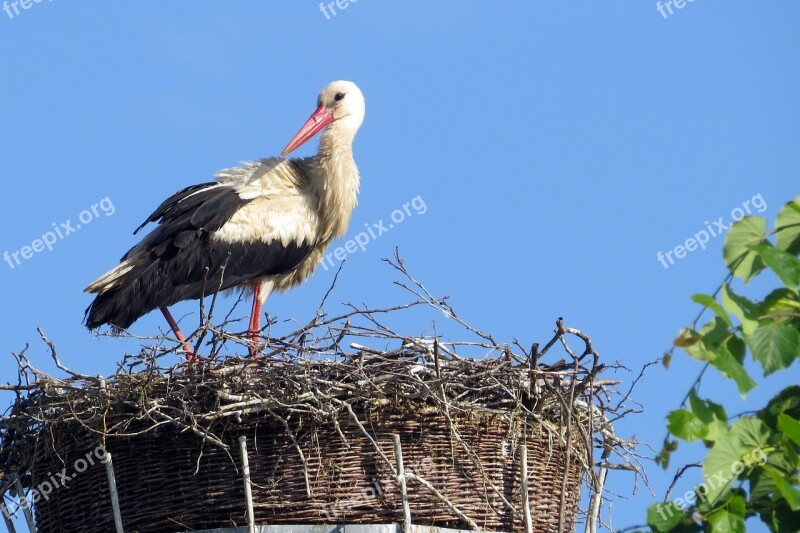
{"x":785,"y":402}
{"x":784,"y":264}
{"x":751,"y":432}
{"x":731,"y":455}
{"x":716,"y":468}
{"x":711,"y":414}
{"x":775,"y":346}
{"x":711,"y":303}
{"x":746,"y":311}
{"x":726,"y":363}
{"x":737,"y":348}
{"x":742,"y":261}
{"x":686,"y":425}
{"x":719,"y":356}
{"x":715,"y":332}
{"x":789,"y":427}
{"x":761,"y":485}
{"x":790,"y":494}
{"x":693,"y":344}
{"x":787,"y":227}
{"x":782,"y":301}
{"x":664,"y":517}
{"x":781,"y":519}
{"x":728,"y":518}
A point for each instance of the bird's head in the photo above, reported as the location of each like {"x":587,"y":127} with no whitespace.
{"x":339,"y":104}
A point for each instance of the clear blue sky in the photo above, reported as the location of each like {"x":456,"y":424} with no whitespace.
{"x":557,"y":146}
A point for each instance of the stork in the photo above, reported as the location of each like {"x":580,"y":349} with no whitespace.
{"x":263,"y":226}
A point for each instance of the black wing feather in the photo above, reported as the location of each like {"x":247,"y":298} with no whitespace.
{"x":178,"y":260}
{"x":179,"y":202}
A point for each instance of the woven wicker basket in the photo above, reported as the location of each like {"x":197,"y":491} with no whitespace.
{"x":169,"y":480}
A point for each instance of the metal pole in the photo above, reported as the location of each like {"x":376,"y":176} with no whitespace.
{"x":526,"y":499}
{"x":23,"y":502}
{"x":248,"y":489}
{"x":401,"y":478}
{"x":6,"y":515}
{"x":112,"y":487}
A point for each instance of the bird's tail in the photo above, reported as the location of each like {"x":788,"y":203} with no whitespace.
{"x":110,"y":279}
{"x":109,"y":305}
{"x":120,"y":299}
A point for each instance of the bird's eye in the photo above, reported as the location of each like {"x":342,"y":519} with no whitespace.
{"x":338,"y":96}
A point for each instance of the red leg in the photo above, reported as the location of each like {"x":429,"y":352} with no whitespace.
{"x":178,"y":334}
{"x":255,"y":322}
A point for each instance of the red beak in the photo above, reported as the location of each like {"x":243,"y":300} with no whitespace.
{"x":318,"y":120}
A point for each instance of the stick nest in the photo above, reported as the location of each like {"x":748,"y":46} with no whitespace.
{"x":320,"y":410}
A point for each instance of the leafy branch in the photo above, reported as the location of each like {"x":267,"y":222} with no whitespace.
{"x":751,"y":468}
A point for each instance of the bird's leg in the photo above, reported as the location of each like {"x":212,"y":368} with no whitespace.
{"x":255,"y":322}
{"x":179,"y":334}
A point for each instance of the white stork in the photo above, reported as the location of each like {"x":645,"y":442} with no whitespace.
{"x":263,"y":226}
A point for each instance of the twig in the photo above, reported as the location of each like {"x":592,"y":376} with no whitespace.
{"x":296,"y":447}
{"x":425,"y":483}
{"x":678,"y":476}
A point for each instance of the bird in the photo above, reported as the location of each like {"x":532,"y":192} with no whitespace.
{"x":262,"y":226}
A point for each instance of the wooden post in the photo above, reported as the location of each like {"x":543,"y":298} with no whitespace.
{"x":526,"y":497}
{"x":23,"y":502}
{"x":401,"y":478}
{"x":248,"y":489}
{"x":112,"y":489}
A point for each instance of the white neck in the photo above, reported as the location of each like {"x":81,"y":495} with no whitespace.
{"x":337,"y":179}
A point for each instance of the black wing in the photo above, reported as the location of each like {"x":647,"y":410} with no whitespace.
{"x":178,"y":260}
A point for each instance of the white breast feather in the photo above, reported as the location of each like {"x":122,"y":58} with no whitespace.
{"x":282,"y":219}
{"x":282,"y":209}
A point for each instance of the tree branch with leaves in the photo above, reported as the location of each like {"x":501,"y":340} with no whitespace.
{"x":751,"y":467}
